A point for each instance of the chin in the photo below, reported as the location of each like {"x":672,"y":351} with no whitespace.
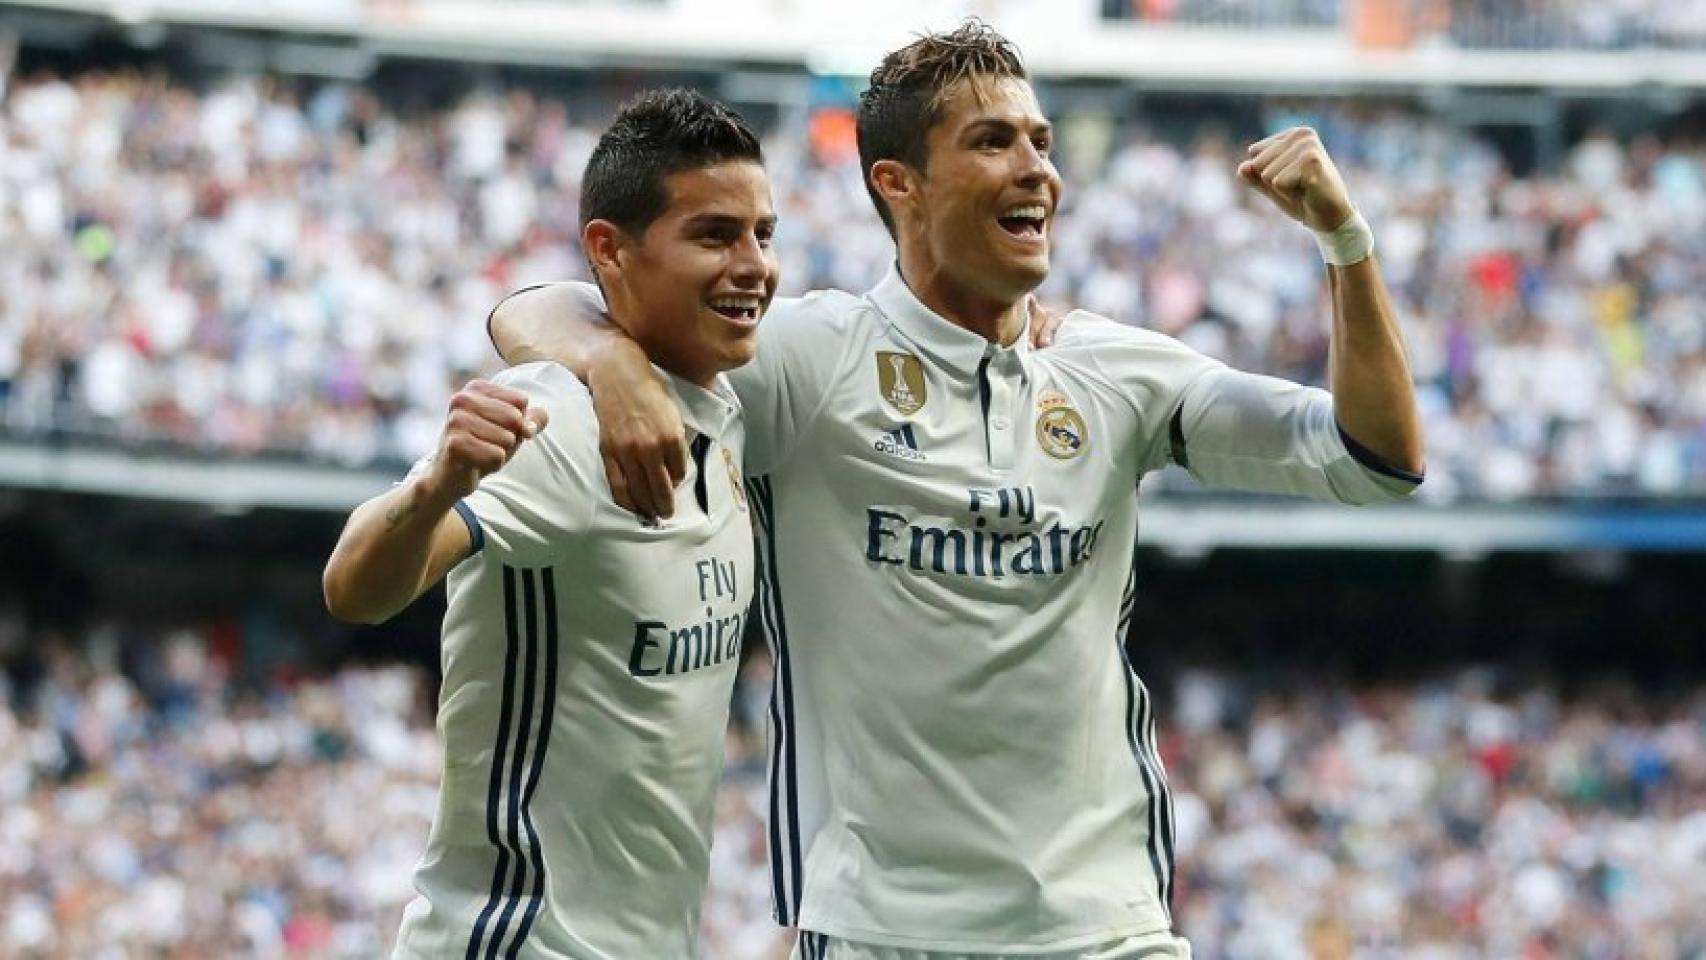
{"x":1019,"y":280}
{"x":739,"y":355}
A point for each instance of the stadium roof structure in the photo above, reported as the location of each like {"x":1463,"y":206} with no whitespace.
{"x":1063,"y":39}
{"x":1187,"y":525}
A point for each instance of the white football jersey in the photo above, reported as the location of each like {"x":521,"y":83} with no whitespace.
{"x":962,"y":759}
{"x":588,"y":665}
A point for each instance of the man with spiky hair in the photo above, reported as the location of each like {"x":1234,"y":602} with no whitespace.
{"x":589,"y":658}
{"x":963,"y":761}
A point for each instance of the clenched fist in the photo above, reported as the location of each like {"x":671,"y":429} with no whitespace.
{"x":486,"y":425}
{"x":1292,"y":169}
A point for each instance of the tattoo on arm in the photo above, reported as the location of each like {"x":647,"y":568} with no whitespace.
{"x":402,"y":509}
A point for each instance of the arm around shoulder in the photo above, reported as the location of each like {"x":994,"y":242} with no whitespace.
{"x":562,"y":322}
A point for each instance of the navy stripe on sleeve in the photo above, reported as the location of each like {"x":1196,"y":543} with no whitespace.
{"x":1176,"y":438}
{"x":1372,"y":461}
{"x":475,"y":533}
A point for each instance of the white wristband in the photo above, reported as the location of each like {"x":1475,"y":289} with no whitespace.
{"x":1351,"y":243}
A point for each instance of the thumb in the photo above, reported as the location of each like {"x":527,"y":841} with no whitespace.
{"x":536,"y":418}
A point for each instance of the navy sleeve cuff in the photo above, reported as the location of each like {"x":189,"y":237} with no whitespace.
{"x":1371,"y":461}
{"x":477,"y":535}
{"x":1176,"y":438}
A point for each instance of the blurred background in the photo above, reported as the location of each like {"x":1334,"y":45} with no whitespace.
{"x":246,"y":250}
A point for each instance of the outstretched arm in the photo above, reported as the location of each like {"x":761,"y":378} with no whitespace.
{"x":641,"y":436}
{"x":1374,"y":400}
{"x":400,"y":543}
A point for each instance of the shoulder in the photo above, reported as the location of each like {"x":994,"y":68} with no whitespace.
{"x":816,"y":314}
{"x":1144,"y":364}
{"x":547,"y":382}
{"x":1113,"y":343}
{"x":573,"y":425}
{"x":1081,"y":328}
{"x":544,"y":378}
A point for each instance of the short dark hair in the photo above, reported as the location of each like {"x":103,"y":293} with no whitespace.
{"x":908,"y":88}
{"x":655,"y":134}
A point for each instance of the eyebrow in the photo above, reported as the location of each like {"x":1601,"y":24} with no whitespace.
{"x":706,"y":220}
{"x":1009,"y":126}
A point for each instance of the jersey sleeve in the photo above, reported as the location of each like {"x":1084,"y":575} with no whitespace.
{"x":1234,"y":430}
{"x":801,"y":348}
{"x":548,"y":490}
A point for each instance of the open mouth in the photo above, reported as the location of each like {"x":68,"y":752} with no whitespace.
{"x":739,"y":309}
{"x":1026,"y":221}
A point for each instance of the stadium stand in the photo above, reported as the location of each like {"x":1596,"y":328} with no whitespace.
{"x":169,"y":809}
{"x":214,"y":260}
{"x":262,"y":266}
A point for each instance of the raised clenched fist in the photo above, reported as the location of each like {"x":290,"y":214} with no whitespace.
{"x":486,"y":425}
{"x":1292,"y":169}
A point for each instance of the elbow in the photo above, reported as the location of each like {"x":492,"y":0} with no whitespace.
{"x":344,"y":603}
{"x":1394,"y":473}
{"x":1377,"y":489}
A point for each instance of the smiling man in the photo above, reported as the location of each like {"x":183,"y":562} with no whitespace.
{"x":589,"y":658}
{"x":963,"y":761}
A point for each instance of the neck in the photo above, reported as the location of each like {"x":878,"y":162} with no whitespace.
{"x":996,"y":320}
{"x":671,"y":361}
{"x":659,"y":350}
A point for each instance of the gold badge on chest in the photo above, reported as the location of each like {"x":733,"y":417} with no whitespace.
{"x":734,"y":479}
{"x":900,"y":379}
{"x":1060,"y":429}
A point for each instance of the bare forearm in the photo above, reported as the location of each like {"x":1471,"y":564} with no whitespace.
{"x":383,"y":560}
{"x":1373,"y":395}
{"x":562,"y":322}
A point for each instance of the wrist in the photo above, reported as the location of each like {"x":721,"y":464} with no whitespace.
{"x":431,"y":494}
{"x":1351,"y":243}
{"x":620,"y":363}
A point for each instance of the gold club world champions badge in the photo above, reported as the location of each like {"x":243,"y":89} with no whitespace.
{"x":900,"y":379}
{"x":1060,"y":428}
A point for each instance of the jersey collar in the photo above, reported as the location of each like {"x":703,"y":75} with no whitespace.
{"x":948,"y":344}
{"x":710,"y":412}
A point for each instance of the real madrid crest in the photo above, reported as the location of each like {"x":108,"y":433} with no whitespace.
{"x":734,"y":479}
{"x":1060,"y":429}
{"x":900,"y":379}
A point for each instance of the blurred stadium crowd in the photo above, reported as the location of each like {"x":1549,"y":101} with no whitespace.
{"x":1484,"y":24}
{"x":245,"y":268}
{"x":152,"y":805}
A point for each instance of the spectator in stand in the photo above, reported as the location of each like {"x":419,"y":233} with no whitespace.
{"x":243,"y":270}
{"x":167,"y":808}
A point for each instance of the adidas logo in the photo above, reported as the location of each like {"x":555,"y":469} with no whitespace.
{"x":900,"y":442}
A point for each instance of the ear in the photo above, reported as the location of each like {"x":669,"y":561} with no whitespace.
{"x":895,"y":182}
{"x":603,"y":242}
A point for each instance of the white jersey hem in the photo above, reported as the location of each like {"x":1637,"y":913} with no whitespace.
{"x":1088,"y":938}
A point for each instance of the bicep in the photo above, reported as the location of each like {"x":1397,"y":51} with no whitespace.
{"x":1244,"y":431}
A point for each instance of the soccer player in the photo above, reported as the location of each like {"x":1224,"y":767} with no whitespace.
{"x":963,"y":761}
{"x":589,"y":658}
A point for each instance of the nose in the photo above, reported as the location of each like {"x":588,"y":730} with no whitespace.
{"x":1033,"y":166}
{"x":749,"y":262}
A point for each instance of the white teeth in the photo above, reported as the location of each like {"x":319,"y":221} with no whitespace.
{"x":746,"y":304}
{"x":1033,"y":212}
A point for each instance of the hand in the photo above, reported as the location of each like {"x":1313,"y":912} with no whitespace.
{"x":486,"y":425}
{"x":1292,"y":169}
{"x":640,"y":433}
{"x":1044,"y":324}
